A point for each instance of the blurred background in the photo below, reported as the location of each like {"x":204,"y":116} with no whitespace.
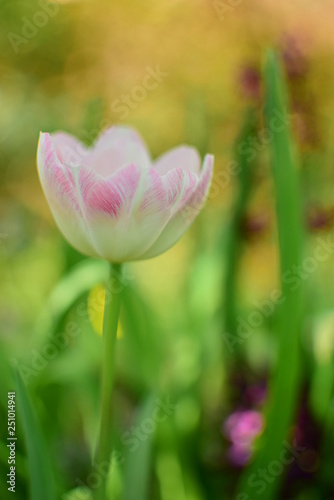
{"x":199,"y":335}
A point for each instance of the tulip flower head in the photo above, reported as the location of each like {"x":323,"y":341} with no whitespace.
{"x":112,"y":201}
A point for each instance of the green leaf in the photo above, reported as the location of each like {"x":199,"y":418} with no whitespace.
{"x":234,"y":243}
{"x":42,"y":483}
{"x":322,"y":376}
{"x":78,"y":494}
{"x":138,"y":461}
{"x":68,"y":291}
{"x":284,"y":383}
{"x":141,"y":343}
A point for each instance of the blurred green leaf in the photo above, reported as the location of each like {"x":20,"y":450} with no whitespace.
{"x":42,"y":483}
{"x":78,"y":494}
{"x":321,"y":389}
{"x":143,"y":339}
{"x":283,"y":389}
{"x":234,"y":245}
{"x":322,"y":376}
{"x":138,"y":462}
{"x":68,"y":291}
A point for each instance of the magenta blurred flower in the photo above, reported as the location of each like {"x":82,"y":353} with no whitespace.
{"x":241,"y":428}
{"x":112,"y":201}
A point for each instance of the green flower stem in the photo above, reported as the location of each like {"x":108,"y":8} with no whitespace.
{"x":110,"y":323}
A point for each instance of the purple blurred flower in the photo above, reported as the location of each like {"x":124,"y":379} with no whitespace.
{"x":238,"y":455}
{"x":241,"y":428}
{"x":256,"y":394}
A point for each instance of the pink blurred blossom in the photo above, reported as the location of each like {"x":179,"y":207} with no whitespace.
{"x":241,"y":428}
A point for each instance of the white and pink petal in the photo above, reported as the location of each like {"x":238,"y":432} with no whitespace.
{"x":187,"y":211}
{"x":130,"y":213}
{"x":184,"y":157}
{"x":60,"y":190}
{"x":69,"y":149}
{"x":117,"y":147}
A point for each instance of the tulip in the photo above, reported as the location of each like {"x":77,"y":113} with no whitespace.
{"x":112,"y":201}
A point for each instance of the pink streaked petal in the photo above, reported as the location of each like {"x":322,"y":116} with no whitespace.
{"x":112,"y":196}
{"x":184,"y":157}
{"x":194,"y":203}
{"x":139,"y":217}
{"x":70,"y":150}
{"x":55,"y":178}
{"x":152,"y":193}
{"x":59,"y":188}
{"x":186,"y":213}
{"x":179,"y":184}
{"x":117,"y":147}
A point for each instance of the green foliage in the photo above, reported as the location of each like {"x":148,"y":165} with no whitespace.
{"x":41,"y":478}
{"x":283,"y":389}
